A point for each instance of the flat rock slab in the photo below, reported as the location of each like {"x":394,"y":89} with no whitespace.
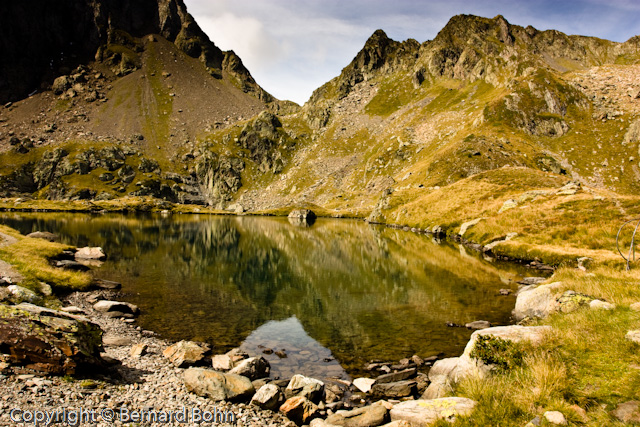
{"x":394,"y":390}
{"x":422,"y":413}
{"x":373,"y":415}
{"x":397,"y":376}
{"x":49,"y":341}
{"x":364,"y":384}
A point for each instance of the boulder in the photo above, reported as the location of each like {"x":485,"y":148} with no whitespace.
{"x":515,"y":333}
{"x":90,"y":253}
{"x":185,"y":353}
{"x":268,"y":396}
{"x":364,"y":384}
{"x":422,"y":413}
{"x":537,"y":302}
{"x":252,"y":368}
{"x":299,"y":409}
{"x":217,"y":385}
{"x":446,"y":372}
{"x":372,"y":415}
{"x":310,"y":388}
{"x":394,"y":390}
{"x":49,"y":341}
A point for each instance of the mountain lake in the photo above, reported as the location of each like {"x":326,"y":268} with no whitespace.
{"x":321,"y":301}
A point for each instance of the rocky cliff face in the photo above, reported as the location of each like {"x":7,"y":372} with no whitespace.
{"x":40,"y":40}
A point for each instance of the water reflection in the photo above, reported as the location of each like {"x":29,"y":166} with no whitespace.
{"x":361,"y":291}
{"x":290,"y":350}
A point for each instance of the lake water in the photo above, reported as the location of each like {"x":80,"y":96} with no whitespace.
{"x":328,"y":298}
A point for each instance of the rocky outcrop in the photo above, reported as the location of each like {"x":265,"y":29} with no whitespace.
{"x":266,"y":142}
{"x":49,"y":341}
{"x":219,"y":177}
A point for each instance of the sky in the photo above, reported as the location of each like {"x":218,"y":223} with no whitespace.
{"x":292,"y":47}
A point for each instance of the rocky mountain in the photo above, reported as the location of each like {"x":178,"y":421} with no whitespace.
{"x":146,"y":105}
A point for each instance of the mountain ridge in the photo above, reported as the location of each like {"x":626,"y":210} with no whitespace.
{"x":481,"y":96}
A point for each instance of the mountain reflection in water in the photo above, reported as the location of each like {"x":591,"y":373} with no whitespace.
{"x":361,"y":291}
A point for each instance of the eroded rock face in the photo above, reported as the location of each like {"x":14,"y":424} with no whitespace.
{"x":49,"y":341}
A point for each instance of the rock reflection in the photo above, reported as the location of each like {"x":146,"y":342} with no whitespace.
{"x":290,"y":350}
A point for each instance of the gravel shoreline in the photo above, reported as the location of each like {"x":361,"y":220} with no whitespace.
{"x":147,"y":383}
